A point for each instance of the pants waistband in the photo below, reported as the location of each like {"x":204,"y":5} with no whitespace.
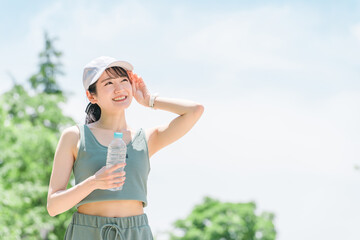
{"x":98,"y":221}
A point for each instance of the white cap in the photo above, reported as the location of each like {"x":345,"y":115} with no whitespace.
{"x":94,"y":69}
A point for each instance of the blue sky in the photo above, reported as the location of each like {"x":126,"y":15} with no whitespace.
{"x":311,"y":25}
{"x":279,"y":81}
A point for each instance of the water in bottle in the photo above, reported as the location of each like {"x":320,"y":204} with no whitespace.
{"x":116,"y":154}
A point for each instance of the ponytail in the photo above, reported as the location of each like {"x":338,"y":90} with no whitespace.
{"x":93,"y":113}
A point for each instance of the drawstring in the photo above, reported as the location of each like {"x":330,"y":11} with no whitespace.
{"x":108,"y":228}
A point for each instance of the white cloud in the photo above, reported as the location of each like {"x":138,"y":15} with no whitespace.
{"x":355,"y":30}
{"x":244,"y":39}
{"x":272,"y":46}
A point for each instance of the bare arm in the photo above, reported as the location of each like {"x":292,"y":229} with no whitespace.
{"x":161,"y":136}
{"x":189,"y":111}
{"x":61,"y":199}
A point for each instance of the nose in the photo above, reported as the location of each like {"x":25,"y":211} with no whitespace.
{"x":118,"y":87}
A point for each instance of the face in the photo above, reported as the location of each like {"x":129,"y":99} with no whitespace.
{"x":112,"y":92}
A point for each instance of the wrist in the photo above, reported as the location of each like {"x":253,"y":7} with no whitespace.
{"x":147,"y":101}
{"x":90,"y":183}
{"x":152,"y":100}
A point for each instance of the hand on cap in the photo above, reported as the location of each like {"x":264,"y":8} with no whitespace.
{"x":140,"y":91}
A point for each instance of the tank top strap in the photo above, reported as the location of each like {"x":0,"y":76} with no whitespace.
{"x":142,"y":136}
{"x":82,"y":136}
{"x":138,"y":136}
{"x":142,"y":133}
{"x":90,"y":139}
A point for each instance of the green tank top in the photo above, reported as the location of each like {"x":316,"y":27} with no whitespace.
{"x":92,"y":156}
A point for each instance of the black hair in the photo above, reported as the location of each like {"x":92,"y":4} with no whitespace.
{"x":93,"y":111}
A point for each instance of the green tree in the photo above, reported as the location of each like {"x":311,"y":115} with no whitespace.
{"x":50,"y":67}
{"x":214,"y":220}
{"x":31,"y":120}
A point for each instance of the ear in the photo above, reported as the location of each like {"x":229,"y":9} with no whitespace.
{"x":91,"y":97}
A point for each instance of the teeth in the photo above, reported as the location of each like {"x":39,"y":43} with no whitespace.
{"x":120,"y":98}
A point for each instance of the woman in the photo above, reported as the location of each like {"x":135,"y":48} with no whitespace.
{"x":110,"y":86}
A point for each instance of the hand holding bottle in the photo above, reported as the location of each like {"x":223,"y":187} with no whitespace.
{"x":107,"y":178}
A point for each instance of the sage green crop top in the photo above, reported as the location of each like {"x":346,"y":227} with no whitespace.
{"x":92,"y":156}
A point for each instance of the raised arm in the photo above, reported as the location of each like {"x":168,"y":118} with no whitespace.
{"x":161,"y":136}
{"x":61,"y":199}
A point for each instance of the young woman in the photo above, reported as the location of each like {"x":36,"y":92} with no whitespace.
{"x":110,"y":86}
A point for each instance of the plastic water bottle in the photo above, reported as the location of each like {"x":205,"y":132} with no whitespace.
{"x":116,"y":154}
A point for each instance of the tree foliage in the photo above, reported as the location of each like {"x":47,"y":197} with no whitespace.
{"x":50,"y":68}
{"x":214,"y":220}
{"x":30,"y":123}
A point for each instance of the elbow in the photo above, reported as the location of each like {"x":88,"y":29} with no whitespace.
{"x":50,"y":210}
{"x":52,"y":214}
{"x":199,"y":109}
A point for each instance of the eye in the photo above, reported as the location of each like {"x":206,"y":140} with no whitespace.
{"x":124,"y":80}
{"x":107,"y":83}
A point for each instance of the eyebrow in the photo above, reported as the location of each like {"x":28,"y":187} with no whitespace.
{"x":105,"y":79}
{"x":108,"y":78}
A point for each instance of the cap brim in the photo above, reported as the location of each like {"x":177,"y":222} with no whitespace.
{"x":122,"y":64}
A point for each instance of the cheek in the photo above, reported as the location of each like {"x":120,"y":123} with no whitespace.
{"x":131,"y":89}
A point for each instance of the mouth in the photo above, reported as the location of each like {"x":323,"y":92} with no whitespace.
{"x":120,"y":99}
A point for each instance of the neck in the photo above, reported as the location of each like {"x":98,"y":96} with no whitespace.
{"x":115,"y":122}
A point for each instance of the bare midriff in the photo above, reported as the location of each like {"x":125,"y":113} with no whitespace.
{"x":116,"y":208}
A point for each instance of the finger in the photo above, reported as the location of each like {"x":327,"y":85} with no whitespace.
{"x":116,"y":181}
{"x":133,"y":86}
{"x":120,"y":174}
{"x":116,"y":166}
{"x":131,"y":77}
{"x":114,"y":185}
{"x":119,"y":179}
{"x":119,"y":184}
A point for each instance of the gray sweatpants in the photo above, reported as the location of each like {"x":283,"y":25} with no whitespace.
{"x":89,"y":227}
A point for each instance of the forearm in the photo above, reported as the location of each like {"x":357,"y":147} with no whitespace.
{"x":62,"y":201}
{"x":178,"y":106}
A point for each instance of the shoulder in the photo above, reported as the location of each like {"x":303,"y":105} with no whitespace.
{"x":71,"y":134}
{"x":68,"y":142}
{"x":71,"y":131}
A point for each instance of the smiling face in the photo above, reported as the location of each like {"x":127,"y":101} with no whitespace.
{"x":113,"y":90}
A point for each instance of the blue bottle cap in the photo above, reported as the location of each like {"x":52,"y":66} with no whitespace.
{"x":118,"y":135}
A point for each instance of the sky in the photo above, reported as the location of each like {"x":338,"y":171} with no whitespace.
{"x":279,"y":81}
